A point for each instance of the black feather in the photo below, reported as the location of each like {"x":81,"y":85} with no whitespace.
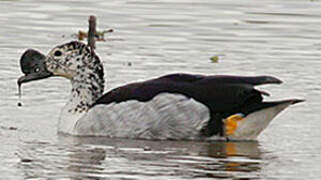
{"x":223,"y":95}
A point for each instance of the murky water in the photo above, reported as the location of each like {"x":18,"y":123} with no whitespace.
{"x":275,"y":37}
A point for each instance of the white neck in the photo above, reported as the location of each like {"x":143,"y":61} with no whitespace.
{"x":84,"y":93}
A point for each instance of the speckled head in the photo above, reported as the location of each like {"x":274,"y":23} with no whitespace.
{"x":73,"y":60}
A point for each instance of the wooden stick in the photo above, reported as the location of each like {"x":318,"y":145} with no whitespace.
{"x":91,"y":33}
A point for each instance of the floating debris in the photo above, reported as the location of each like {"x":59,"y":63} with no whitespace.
{"x":13,"y":128}
{"x":147,"y":148}
{"x":26,"y":160}
{"x":8,"y":128}
{"x":99,"y":35}
{"x":214,"y":59}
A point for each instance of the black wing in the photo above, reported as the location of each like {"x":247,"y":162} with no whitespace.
{"x":223,"y":95}
{"x":219,"y":93}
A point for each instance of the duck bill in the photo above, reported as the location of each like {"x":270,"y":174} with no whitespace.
{"x":33,"y":65}
{"x":33,"y":77}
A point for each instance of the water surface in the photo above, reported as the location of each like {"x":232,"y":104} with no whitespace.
{"x":275,"y":37}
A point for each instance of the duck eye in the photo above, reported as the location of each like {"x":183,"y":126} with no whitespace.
{"x":58,"y":53}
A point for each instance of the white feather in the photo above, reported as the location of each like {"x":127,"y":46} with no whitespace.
{"x":166,"y":116}
{"x":253,"y":124}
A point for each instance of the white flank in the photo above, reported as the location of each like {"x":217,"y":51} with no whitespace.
{"x":167,"y":116}
{"x":68,"y":119}
{"x":253,"y":124}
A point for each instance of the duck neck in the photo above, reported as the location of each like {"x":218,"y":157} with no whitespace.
{"x":87,"y":87}
{"x":83,"y":96}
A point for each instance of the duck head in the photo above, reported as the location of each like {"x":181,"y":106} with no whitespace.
{"x":73,"y":60}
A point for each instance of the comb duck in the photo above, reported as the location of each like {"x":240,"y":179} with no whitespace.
{"x":174,"y":106}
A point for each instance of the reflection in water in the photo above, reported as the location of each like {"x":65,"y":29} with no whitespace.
{"x":87,"y":162}
{"x":280,"y":38}
{"x":96,"y":158}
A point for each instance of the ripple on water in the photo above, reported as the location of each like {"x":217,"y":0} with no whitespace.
{"x":140,"y":159}
{"x":280,"y":38}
